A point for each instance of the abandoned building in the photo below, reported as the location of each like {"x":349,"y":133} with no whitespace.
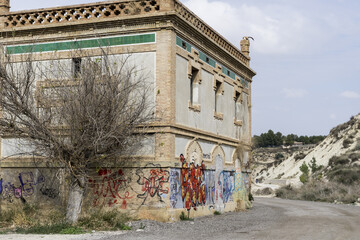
{"x":197,"y":158}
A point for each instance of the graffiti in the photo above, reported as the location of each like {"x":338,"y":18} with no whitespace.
{"x":206,"y":156}
{"x":210,"y":187}
{"x":239,"y":192}
{"x":25,"y":188}
{"x":199,"y":186}
{"x":193,"y":190}
{"x":27,"y":183}
{"x":153,"y":183}
{"x":219,"y":202}
{"x":49,"y":192}
{"x":110,"y":188}
{"x":225,"y":182}
{"x":174,"y":187}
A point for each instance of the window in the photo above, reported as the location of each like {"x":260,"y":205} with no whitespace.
{"x":194,"y":86}
{"x":76,"y":67}
{"x":218,"y":94}
{"x":237,"y":104}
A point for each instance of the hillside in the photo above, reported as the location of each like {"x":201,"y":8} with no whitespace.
{"x":280,"y":166}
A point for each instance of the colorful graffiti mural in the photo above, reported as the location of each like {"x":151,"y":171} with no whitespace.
{"x":193,"y":186}
{"x":193,"y":190}
{"x":110,"y":188}
{"x":226,"y":183}
{"x":153,"y":179}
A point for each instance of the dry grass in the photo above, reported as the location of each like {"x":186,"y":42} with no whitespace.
{"x":321,"y":191}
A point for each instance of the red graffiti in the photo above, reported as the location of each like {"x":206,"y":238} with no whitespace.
{"x":153,"y":184}
{"x":193,"y":191}
{"x":110,"y":189}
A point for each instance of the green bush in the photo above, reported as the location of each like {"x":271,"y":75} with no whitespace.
{"x":305,"y":173}
{"x":347,"y":176}
{"x":279,"y":156}
{"x":339,"y":160}
{"x":217,"y":213}
{"x":313,"y":166}
{"x":250,"y":197}
{"x":299,"y":156}
{"x":347,"y":142}
{"x":60,"y":228}
{"x":183,"y":217}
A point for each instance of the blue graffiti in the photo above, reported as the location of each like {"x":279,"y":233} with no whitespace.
{"x":1,"y":188}
{"x":28,"y":182}
{"x":226,"y":185}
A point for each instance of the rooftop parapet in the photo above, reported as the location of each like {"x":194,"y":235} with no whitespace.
{"x":109,"y":10}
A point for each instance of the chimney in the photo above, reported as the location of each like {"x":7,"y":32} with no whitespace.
{"x":245,"y":46}
{"x":4,"y":7}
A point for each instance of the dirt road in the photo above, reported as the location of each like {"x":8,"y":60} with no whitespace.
{"x":269,"y":219}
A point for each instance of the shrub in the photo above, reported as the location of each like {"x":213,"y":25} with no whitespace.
{"x":338,"y":160}
{"x":347,"y":142}
{"x":250,"y":197}
{"x":314,"y":167}
{"x":299,"y":156}
{"x":217,"y":213}
{"x":183,"y":217}
{"x":347,"y":176}
{"x":321,"y":191}
{"x":305,"y":173}
{"x":279,"y":156}
{"x":357,"y":147}
{"x":110,"y":220}
{"x":60,"y":228}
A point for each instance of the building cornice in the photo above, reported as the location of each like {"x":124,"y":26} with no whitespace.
{"x":109,"y":14}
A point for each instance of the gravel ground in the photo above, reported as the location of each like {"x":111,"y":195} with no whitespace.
{"x":269,"y":219}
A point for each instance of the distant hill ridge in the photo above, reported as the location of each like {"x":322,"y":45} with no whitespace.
{"x":281,"y":165}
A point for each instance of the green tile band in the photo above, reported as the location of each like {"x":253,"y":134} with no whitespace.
{"x":205,"y":58}
{"x":79,"y":44}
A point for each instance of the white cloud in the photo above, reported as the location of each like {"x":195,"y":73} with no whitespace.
{"x":294,"y":92}
{"x":350,"y":94}
{"x":276,"y":28}
{"x":332,"y":116}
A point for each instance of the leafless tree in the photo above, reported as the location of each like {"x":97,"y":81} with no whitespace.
{"x":81,"y":116}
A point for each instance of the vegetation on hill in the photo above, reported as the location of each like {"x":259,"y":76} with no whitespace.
{"x":271,"y":139}
{"x":339,"y":181}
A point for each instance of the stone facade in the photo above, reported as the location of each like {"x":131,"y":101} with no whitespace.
{"x":196,"y":157}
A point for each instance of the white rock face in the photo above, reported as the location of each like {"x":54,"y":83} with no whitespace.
{"x":333,"y":145}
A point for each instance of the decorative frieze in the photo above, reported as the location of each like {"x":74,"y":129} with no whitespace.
{"x":81,"y":13}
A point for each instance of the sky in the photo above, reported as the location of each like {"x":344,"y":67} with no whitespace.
{"x":306,"y":54}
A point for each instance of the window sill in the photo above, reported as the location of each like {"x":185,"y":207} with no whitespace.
{"x":218,"y":116}
{"x":238,"y":122}
{"x":194,"y":107}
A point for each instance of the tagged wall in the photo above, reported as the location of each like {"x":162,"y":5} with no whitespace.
{"x":31,"y":186}
{"x":193,"y":186}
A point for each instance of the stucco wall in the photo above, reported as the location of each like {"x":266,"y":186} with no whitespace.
{"x":204,"y":119}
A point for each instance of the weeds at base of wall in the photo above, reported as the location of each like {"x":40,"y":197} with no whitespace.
{"x":183,"y":217}
{"x":31,"y":219}
{"x":29,"y":215}
{"x":59,"y":228}
{"x":217,"y":213}
{"x":250,"y":196}
{"x":105,"y":220}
